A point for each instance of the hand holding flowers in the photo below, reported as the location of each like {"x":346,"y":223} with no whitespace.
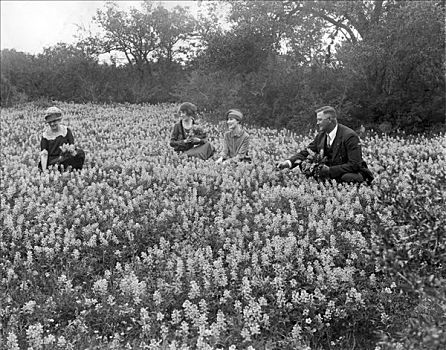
{"x":194,"y":135}
{"x":315,"y":165}
{"x":68,"y":151}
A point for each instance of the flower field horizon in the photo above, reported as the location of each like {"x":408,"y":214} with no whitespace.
{"x":147,"y":249}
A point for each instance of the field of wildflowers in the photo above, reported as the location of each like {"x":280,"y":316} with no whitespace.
{"x":146,"y":249}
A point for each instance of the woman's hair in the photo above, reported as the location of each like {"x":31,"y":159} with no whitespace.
{"x":188,"y":108}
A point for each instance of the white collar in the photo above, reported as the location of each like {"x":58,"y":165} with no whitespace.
{"x":49,"y":135}
{"x":332,"y":134}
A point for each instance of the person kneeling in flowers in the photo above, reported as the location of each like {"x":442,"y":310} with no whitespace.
{"x":335,"y":153}
{"x":57,"y":144}
{"x":187,"y":137}
{"x":236,"y":140}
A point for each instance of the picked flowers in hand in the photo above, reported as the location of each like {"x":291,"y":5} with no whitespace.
{"x":68,"y":150}
{"x":310,"y":167}
{"x":195,"y":132}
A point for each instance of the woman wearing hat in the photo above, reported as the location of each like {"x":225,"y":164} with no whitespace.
{"x":55,"y":144}
{"x":187,"y":137}
{"x":236,"y":140}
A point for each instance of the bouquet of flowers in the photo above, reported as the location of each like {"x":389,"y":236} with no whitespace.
{"x":310,"y":167}
{"x":68,"y":151}
{"x":195,"y":132}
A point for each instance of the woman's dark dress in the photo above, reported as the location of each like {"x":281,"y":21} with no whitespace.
{"x":202,"y":149}
{"x":52,"y":146}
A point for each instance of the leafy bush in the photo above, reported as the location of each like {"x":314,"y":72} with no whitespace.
{"x":396,"y":74}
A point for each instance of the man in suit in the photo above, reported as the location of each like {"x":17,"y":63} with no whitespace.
{"x":340,"y":145}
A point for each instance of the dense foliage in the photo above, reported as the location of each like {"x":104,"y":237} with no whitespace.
{"x":381,"y":62}
{"x":382,"y":65}
{"x":64,"y":72}
{"x":147,"y":249}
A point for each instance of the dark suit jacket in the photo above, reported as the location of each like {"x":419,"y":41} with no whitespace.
{"x":346,"y":156}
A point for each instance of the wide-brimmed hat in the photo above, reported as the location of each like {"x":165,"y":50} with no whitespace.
{"x":234,"y":113}
{"x":52,"y":114}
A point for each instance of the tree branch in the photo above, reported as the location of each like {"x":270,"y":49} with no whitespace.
{"x":377,"y":12}
{"x":338,"y":24}
{"x":293,"y":11}
{"x":355,"y":24}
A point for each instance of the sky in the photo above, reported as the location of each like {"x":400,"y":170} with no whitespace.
{"x":30,"y":26}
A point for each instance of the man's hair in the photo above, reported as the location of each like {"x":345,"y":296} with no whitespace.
{"x":328,"y":110}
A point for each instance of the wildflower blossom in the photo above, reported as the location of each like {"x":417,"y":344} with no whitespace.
{"x":12,"y":342}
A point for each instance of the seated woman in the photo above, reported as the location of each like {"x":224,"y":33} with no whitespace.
{"x":188,"y":138}
{"x":57,"y":144}
{"x":236,"y":140}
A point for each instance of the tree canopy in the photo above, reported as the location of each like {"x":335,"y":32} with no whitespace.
{"x":376,"y":61}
